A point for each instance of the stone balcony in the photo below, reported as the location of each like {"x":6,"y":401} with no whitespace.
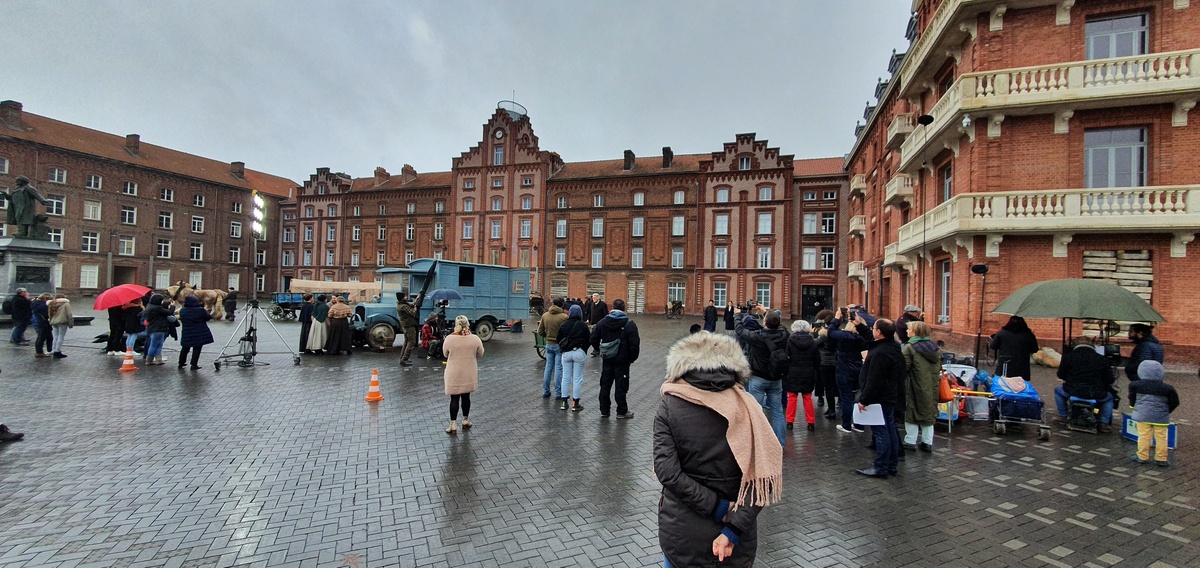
{"x":858,"y":225}
{"x":1062,"y":213}
{"x":855,"y":270}
{"x":949,"y":26}
{"x":899,"y":191}
{"x":894,"y":258}
{"x":858,"y":185}
{"x":901,"y":126}
{"x":1059,"y":89}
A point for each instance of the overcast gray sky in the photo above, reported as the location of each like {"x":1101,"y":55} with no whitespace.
{"x":290,"y":86}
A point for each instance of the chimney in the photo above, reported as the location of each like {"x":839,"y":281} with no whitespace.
{"x":668,"y":157}
{"x":382,"y":176}
{"x":10,"y":113}
{"x":238,"y":169}
{"x":629,"y":158}
{"x":133,"y":143}
{"x":408,"y":174}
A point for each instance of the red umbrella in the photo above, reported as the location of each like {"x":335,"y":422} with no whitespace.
{"x":119,"y":295}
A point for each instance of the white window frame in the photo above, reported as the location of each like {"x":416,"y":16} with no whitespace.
{"x":166,"y":220}
{"x":57,"y":206}
{"x":720,"y":293}
{"x":744,"y":163}
{"x":129,"y":188}
{"x":198,"y":200}
{"x":58,"y":175}
{"x":330,"y":233}
{"x":468,"y":230}
{"x":811,"y":223}
{"x":721,"y":224}
{"x":808,"y":258}
{"x":560,"y":229}
{"x":354,"y":258}
{"x":597,"y":257}
{"x":237,"y":206}
{"x":381,"y":232}
{"x":128,"y":215}
{"x":198,"y":224}
{"x":196,"y":251}
{"x":766,"y":193}
{"x":829,"y":195}
{"x":410,"y":232}
{"x":235,"y":229}
{"x":439,"y":206}
{"x":526,"y":228}
{"x":560,"y":257}
{"x":638,"y":227}
{"x":597,"y":227}
{"x":89,"y":241}
{"x":562,"y":202}
{"x":721,"y":257}
{"x":598,"y":200}
{"x":676,"y":292}
{"x":93,"y":181}
{"x":764,"y":257}
{"x":810,"y":196}
{"x":526,"y":202}
{"x":495,"y":229}
{"x":765,"y":223}
{"x":828,"y":258}
{"x":439,"y":231}
{"x":676,"y":257}
{"x":329,"y":257}
{"x":639,"y":199}
{"x":677,"y":226}
{"x":635,"y":258}
{"x":235,"y":255}
{"x":126,"y":245}
{"x":722,"y":195}
{"x":468,"y":205}
{"x":762,"y":293}
{"x":381,"y":259}
{"x":89,"y":276}
{"x":497,"y":204}
{"x":679,"y":197}
{"x":498,"y":155}
{"x":828,"y":223}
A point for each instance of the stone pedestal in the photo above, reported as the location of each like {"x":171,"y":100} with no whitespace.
{"x":27,"y":263}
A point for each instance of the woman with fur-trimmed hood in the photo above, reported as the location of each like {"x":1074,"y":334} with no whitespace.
{"x":715,"y":454}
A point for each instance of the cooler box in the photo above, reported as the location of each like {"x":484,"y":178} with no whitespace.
{"x":1129,"y":431}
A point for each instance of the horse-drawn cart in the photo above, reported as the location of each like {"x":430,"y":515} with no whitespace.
{"x":285,"y":305}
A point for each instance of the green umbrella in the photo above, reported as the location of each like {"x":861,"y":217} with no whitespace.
{"x":1078,"y":298}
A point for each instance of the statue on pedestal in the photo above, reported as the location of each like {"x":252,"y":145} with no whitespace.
{"x":23,"y":213}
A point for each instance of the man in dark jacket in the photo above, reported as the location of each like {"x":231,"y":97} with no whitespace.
{"x":408,"y":322}
{"x":22,"y":314}
{"x":616,"y":325}
{"x":763,"y":385}
{"x":1146,"y":348}
{"x":848,"y":345}
{"x":710,"y":317}
{"x":912,"y":312}
{"x":587,"y":311}
{"x":306,"y":322}
{"x":230,"y":303}
{"x":882,"y":378}
{"x":1085,"y":374}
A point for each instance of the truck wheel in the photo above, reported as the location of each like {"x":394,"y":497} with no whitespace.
{"x":381,"y":336}
{"x":484,"y":330}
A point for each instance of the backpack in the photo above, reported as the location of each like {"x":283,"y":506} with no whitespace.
{"x":780,"y":361}
{"x":610,"y":349}
{"x":8,"y":305}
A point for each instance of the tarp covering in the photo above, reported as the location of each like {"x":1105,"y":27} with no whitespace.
{"x":357,"y":291}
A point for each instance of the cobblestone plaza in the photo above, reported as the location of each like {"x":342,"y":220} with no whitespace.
{"x":284,"y":465}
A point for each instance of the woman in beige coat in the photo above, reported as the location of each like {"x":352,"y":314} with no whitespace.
{"x":462,"y":349}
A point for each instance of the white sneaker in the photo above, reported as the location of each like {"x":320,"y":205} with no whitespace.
{"x":841,"y":429}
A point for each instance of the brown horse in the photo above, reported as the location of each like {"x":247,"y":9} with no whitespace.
{"x":212,"y":300}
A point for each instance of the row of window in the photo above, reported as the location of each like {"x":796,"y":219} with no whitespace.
{"x":809,"y":258}
{"x":127,"y":246}
{"x":498,"y":182}
{"x":89,"y":278}
{"x":765,"y":193}
{"x":59,"y":175}
{"x":57,"y":205}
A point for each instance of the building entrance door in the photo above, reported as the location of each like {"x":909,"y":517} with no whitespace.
{"x":814,"y":299}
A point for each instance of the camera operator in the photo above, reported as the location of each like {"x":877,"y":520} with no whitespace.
{"x":848,"y":345}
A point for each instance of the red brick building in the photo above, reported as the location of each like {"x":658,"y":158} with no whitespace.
{"x":1043,"y":139}
{"x":724,"y":225}
{"x":129,"y":212}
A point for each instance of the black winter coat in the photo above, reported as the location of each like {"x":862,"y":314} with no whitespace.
{"x":760,"y":351}
{"x":194,"y":319}
{"x":696,"y":467}
{"x":1085,"y":373}
{"x":133,"y":320}
{"x":22,"y":309}
{"x":572,"y":334}
{"x":804,"y":356}
{"x":612,"y":326}
{"x":158,"y":319}
{"x":1015,"y":348}
{"x":882,"y":377}
{"x":729,"y":317}
{"x":599,"y":310}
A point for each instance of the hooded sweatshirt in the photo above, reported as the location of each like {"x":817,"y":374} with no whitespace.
{"x":572,"y":333}
{"x":759,"y":348}
{"x":1151,"y":398}
{"x":550,"y":322}
{"x":617,"y":324}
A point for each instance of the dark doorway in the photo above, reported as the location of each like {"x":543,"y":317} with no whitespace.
{"x":814,"y":299}
{"x":124,"y":275}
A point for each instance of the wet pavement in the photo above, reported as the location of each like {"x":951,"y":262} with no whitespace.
{"x":286,"y":465}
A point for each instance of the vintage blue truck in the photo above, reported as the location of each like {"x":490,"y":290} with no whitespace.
{"x":491,"y":295}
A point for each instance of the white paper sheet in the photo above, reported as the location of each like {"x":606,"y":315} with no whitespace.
{"x":872,"y":416}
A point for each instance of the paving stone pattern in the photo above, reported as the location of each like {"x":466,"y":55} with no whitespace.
{"x":285,"y":465}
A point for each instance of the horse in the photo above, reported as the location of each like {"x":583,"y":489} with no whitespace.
{"x":212,"y":300}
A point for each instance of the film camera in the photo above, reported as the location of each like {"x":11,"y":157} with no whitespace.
{"x":749,"y":305}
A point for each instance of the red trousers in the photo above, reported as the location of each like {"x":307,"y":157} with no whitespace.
{"x":790,"y":413}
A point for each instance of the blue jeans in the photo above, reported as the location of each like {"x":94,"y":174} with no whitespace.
{"x":1061,"y":399}
{"x":572,"y":370}
{"x":131,"y":340}
{"x":553,"y":372}
{"x":18,"y":332}
{"x":887,"y":442}
{"x":155,"y":344}
{"x":769,"y":395}
{"x":846,"y":384}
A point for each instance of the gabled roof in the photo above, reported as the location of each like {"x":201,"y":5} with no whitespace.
{"x":650,"y":165}
{"x":818,"y":167}
{"x":425,"y":180}
{"x":50,"y":132}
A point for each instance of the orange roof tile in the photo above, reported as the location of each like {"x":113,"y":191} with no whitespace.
{"x":818,"y":167}
{"x":50,"y":132}
{"x":650,"y":165}
{"x":425,"y":180}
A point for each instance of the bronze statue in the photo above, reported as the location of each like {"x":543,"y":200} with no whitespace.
{"x":21,"y":209}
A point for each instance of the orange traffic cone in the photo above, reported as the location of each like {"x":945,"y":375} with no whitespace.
{"x":128,"y":365}
{"x":373,"y":394}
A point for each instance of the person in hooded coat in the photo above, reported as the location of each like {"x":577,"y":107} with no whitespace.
{"x":61,"y":319}
{"x":41,"y":324}
{"x":195,"y":333}
{"x":922,"y":371}
{"x":131,"y":312}
{"x":572,"y":342}
{"x":614,"y":371}
{"x":1014,"y":344}
{"x":848,"y":345}
{"x":158,"y":324}
{"x":804,"y":358}
{"x":1153,"y":402}
{"x":715,"y":454}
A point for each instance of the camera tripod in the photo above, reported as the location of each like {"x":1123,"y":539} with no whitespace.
{"x":248,"y":343}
